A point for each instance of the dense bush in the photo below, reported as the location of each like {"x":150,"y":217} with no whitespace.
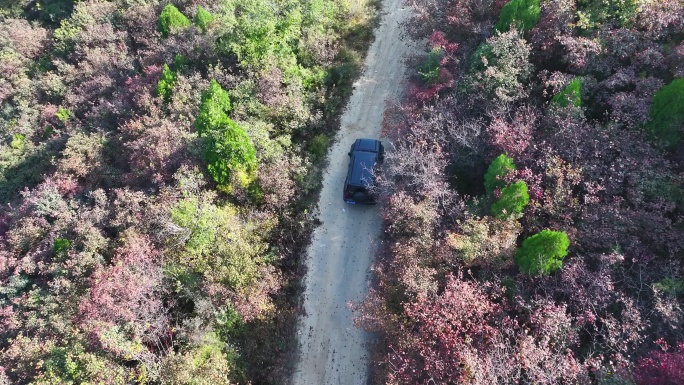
{"x":667,"y":113}
{"x":543,"y":252}
{"x":213,"y":109}
{"x":512,"y":201}
{"x":171,"y":20}
{"x":18,"y":141}
{"x":495,"y":177}
{"x":319,"y":146}
{"x":203,"y":18}
{"x":165,"y":85}
{"x":61,"y":246}
{"x":429,"y":71}
{"x":523,"y":14}
{"x":230,"y":153}
{"x":570,"y":95}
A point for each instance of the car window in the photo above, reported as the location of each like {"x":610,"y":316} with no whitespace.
{"x":354,"y":189}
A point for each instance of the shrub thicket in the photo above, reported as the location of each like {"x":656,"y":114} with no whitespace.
{"x":501,"y":68}
{"x":84,"y":132}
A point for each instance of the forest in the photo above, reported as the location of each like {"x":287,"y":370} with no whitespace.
{"x":158,"y":164}
{"x":534,"y":198}
{"x":160,"y":161}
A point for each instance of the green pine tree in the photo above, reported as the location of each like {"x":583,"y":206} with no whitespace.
{"x":543,"y":252}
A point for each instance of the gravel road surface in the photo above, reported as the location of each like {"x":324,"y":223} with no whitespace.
{"x":331,"y":350}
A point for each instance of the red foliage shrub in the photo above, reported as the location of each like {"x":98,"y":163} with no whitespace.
{"x":660,"y":18}
{"x":661,"y":367}
{"x":128,"y":292}
{"x":157,"y":147}
{"x":447,"y":330}
{"x":632,"y":108}
{"x":555,"y":21}
{"x":513,"y":136}
{"x":424,"y":94}
{"x":545,"y":353}
{"x":676,"y":61}
{"x":441,"y":77}
{"x":439,"y":40}
{"x":29,"y":40}
{"x":580,"y":52}
{"x":277,"y":179}
{"x":270,"y":89}
{"x":139,"y":88}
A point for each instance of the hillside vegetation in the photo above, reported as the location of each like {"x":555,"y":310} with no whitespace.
{"x":534,"y":202}
{"x":157,"y":164}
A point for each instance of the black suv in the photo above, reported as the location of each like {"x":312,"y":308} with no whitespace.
{"x":364,"y":156}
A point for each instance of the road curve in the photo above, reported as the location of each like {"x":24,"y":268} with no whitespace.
{"x":331,"y":350}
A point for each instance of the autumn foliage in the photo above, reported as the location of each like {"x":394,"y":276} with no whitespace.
{"x":534,"y":212}
{"x":154,"y":179}
{"x":661,"y":366}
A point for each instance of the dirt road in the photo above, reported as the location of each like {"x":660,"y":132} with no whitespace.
{"x":331,"y":350}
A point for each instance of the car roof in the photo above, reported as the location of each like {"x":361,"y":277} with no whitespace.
{"x":360,"y":173}
{"x":369,"y":145}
